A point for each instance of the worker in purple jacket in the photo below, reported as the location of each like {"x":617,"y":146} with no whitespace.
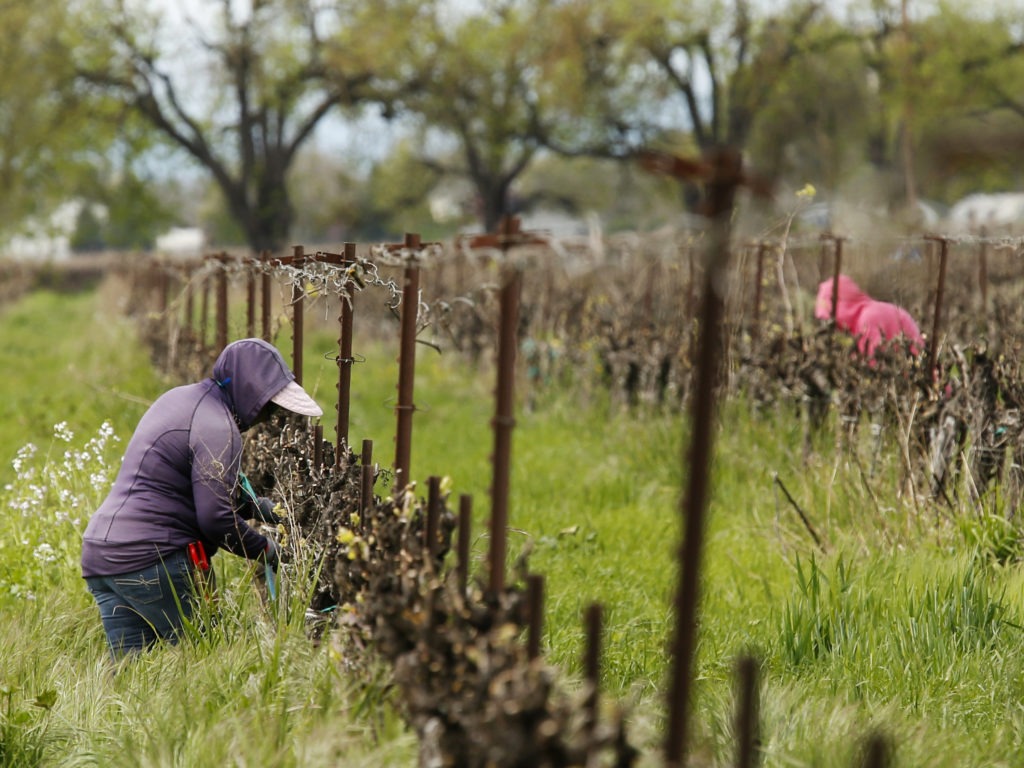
{"x":175,"y":500}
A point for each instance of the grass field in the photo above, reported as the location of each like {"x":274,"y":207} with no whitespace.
{"x":903,"y":621}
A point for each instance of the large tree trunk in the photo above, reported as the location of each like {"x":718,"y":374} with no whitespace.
{"x":266,"y":215}
{"x":494,"y":202}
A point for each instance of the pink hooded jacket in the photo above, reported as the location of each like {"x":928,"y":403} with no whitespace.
{"x":870,"y":321}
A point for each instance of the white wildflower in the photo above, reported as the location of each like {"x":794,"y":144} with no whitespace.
{"x":26,"y":452}
{"x":44,"y":553}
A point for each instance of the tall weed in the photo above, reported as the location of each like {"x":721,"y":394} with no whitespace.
{"x":47,"y":506}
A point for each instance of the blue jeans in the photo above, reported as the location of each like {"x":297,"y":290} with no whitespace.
{"x":142,"y":607}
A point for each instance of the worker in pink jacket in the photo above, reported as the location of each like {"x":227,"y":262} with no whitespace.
{"x":870,"y":321}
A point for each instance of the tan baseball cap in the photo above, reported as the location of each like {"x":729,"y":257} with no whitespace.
{"x":294,"y":398}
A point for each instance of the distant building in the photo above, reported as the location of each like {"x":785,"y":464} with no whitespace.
{"x":993,"y":211}
{"x":48,"y":240}
{"x":181,"y":241}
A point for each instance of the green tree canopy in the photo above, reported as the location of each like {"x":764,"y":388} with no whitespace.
{"x":45,"y":133}
{"x":811,"y":92}
{"x":472,"y":93}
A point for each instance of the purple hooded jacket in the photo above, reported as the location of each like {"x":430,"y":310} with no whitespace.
{"x":178,"y":477}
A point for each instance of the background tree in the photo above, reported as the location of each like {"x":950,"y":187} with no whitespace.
{"x":823,"y":107}
{"x":240,"y":95}
{"x":46,"y":137}
{"x":470,"y":90}
{"x":124,"y":214}
{"x":328,"y":191}
{"x":398,"y":194}
{"x":970,"y":110}
{"x":487,"y":91}
{"x":680,"y":77}
{"x":123,"y":189}
{"x":620,"y":193}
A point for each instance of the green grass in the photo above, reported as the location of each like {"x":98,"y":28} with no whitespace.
{"x":902,"y":621}
{"x":66,"y":358}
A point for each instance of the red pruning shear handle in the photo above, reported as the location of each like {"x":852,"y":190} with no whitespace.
{"x":197,"y":554}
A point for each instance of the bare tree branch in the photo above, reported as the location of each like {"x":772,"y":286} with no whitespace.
{"x":270,"y":119}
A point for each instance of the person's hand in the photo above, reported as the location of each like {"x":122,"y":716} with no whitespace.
{"x":264,"y":511}
{"x":272,"y":554}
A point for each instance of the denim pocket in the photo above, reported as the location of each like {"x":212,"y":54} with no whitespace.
{"x":142,"y":588}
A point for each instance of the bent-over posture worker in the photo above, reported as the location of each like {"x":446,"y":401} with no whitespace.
{"x":176,"y":500}
{"x":870,"y":321}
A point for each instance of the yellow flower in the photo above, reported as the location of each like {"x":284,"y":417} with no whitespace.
{"x":345,"y":536}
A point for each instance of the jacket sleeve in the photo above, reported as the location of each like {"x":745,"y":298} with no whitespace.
{"x":216,"y":452}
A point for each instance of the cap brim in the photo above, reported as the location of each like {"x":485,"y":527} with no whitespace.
{"x":294,"y":398}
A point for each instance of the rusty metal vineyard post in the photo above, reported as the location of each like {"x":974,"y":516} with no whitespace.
{"x":164,"y":289}
{"x":983,"y":272}
{"x":221,"y":338}
{"x":405,"y":407}
{"x":755,"y":330}
{"x":747,"y":712}
{"x":298,"y":292}
{"x":876,"y":752}
{"x":366,"y":482}
{"x":345,"y":320}
{"x":250,"y":298}
{"x":189,"y":300}
{"x":722,"y":171}
{"x":691,"y":283}
{"x":462,"y":555}
{"x":837,"y":268}
{"x":318,"y":446}
{"x":940,"y":292}
{"x":345,"y":260}
{"x":653,"y":264}
{"x":296,"y":260}
{"x":204,"y":312}
{"x":823,"y":250}
{"x":265,"y":298}
{"x":221,"y":310}
{"x":503,"y":423}
{"x":433,"y":517}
